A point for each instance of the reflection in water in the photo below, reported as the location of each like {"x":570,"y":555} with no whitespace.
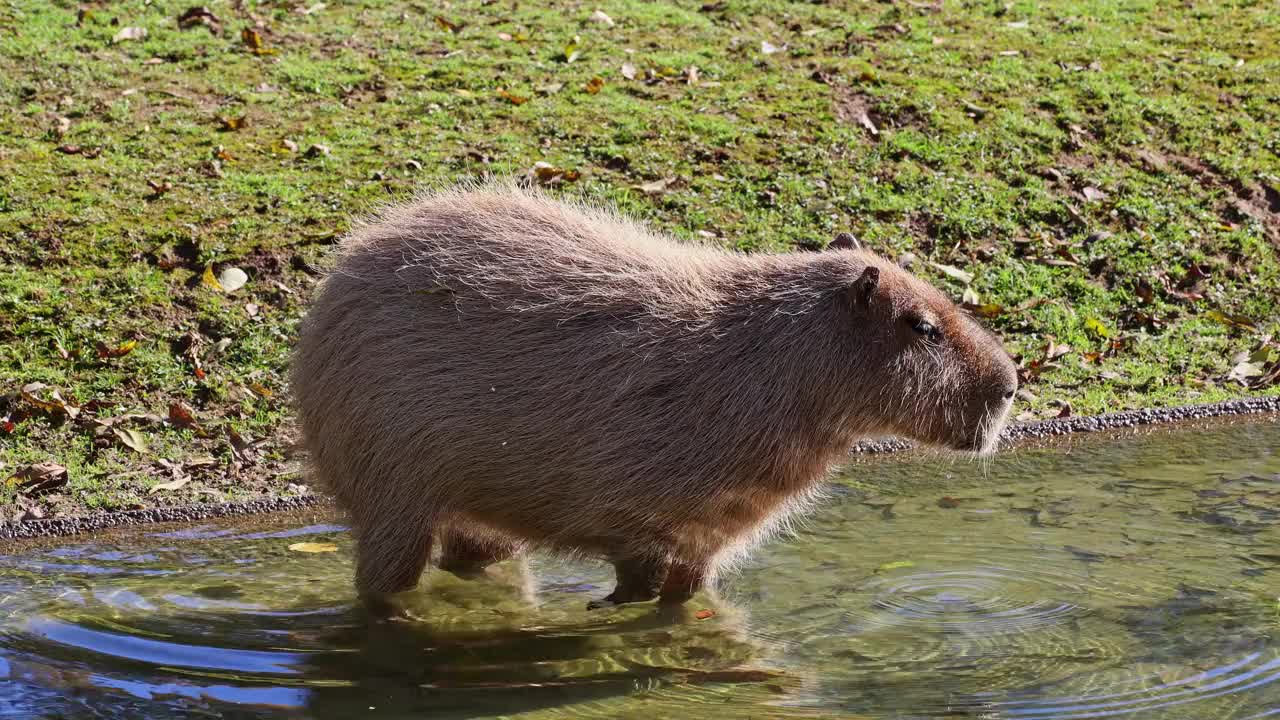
{"x":1134,"y":578}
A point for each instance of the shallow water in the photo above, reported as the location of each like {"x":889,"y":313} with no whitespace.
{"x":1135,"y":577}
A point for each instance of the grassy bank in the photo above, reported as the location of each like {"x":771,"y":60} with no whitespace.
{"x":1100,"y":180}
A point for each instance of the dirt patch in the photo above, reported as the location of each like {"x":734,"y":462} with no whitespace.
{"x":861,"y":110}
{"x":1256,"y":201}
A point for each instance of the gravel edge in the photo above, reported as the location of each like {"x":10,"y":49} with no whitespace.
{"x":1021,"y":432}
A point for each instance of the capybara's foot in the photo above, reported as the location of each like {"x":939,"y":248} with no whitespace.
{"x":467,"y":556}
{"x":383,"y":607}
{"x":639,"y":580}
{"x":683,"y":580}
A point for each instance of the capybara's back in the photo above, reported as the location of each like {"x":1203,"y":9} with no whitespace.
{"x":505,"y":370}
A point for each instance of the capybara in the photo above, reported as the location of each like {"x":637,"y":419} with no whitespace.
{"x":509,"y":371}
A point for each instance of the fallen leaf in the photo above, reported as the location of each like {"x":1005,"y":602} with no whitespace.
{"x":1236,"y":321}
{"x":1091,"y":357}
{"x":1097,"y":328}
{"x":1065,"y":412}
{"x":55,"y":405}
{"x":131,"y":439}
{"x":233,"y":123}
{"x":181,"y":415}
{"x":769,"y":48}
{"x":209,"y":280}
{"x":200,"y":15}
{"x":948,"y":502}
{"x":571,"y":50}
{"x":969,"y":296}
{"x":548,"y":174}
{"x":629,"y":71}
{"x":159,"y":188}
{"x":313,"y":547}
{"x":895,"y":565}
{"x":1246,"y":369}
{"x":505,"y":36}
{"x":124,"y":348}
{"x":62,"y":352}
{"x":599,"y":17}
{"x":704,"y":614}
{"x":69,"y":149}
{"x":316,"y":150}
{"x":953,"y":272}
{"x":252,"y":39}
{"x":130,"y":33}
{"x":260,"y":390}
{"x":171,"y":485}
{"x":1093,"y":194}
{"x":513,"y":99}
{"x":445,"y":24}
{"x":865,"y":121}
{"x":988,"y":310}
{"x":289,"y":145}
{"x":232,"y":279}
{"x":39,"y":478}
{"x":691,"y":75}
{"x":594,"y":85}
{"x":657,"y":187}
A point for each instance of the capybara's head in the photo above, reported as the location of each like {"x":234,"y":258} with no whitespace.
{"x":940,"y":377}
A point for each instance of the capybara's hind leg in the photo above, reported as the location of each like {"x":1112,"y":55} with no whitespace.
{"x":464,"y":553}
{"x":639,"y":580}
{"x":683,"y":580}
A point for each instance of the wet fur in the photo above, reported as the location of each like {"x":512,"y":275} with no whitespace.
{"x":520,"y":372}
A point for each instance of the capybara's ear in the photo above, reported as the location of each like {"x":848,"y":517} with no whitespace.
{"x":864,"y":287}
{"x":845,"y":241}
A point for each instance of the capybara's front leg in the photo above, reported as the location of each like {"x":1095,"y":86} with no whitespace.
{"x":640,"y":579}
{"x":683,"y":580}
{"x":464,"y":553}
{"x":390,"y":557}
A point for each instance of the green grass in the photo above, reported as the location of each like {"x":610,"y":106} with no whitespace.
{"x":992,"y":120}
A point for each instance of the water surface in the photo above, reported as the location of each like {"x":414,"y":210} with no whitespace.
{"x":1136,"y":577}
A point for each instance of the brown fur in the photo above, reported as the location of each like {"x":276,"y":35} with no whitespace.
{"x":512,"y":371}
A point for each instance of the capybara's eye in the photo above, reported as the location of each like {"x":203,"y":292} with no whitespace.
{"x":926,"y":329}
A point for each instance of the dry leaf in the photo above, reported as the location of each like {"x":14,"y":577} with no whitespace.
{"x":1236,"y":321}
{"x":513,"y":99}
{"x":313,"y":547}
{"x":316,"y":150}
{"x":629,"y":71}
{"x":953,"y":272}
{"x":769,"y":48}
{"x":200,"y":15}
{"x":209,"y":280}
{"x":571,"y":50}
{"x":948,"y":502}
{"x":39,"y":478}
{"x":599,"y":17}
{"x":130,"y":33}
{"x":233,"y":123}
{"x":260,"y":390}
{"x":53,"y":406}
{"x":657,"y":187}
{"x":988,"y":310}
{"x":131,"y":439}
{"x":1097,"y":328}
{"x":181,"y":415}
{"x":252,"y":39}
{"x":704,"y":614}
{"x":594,"y":85}
{"x":124,"y":348}
{"x":447,"y":25}
{"x":171,"y":485}
{"x":969,"y":296}
{"x":1093,"y":194}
